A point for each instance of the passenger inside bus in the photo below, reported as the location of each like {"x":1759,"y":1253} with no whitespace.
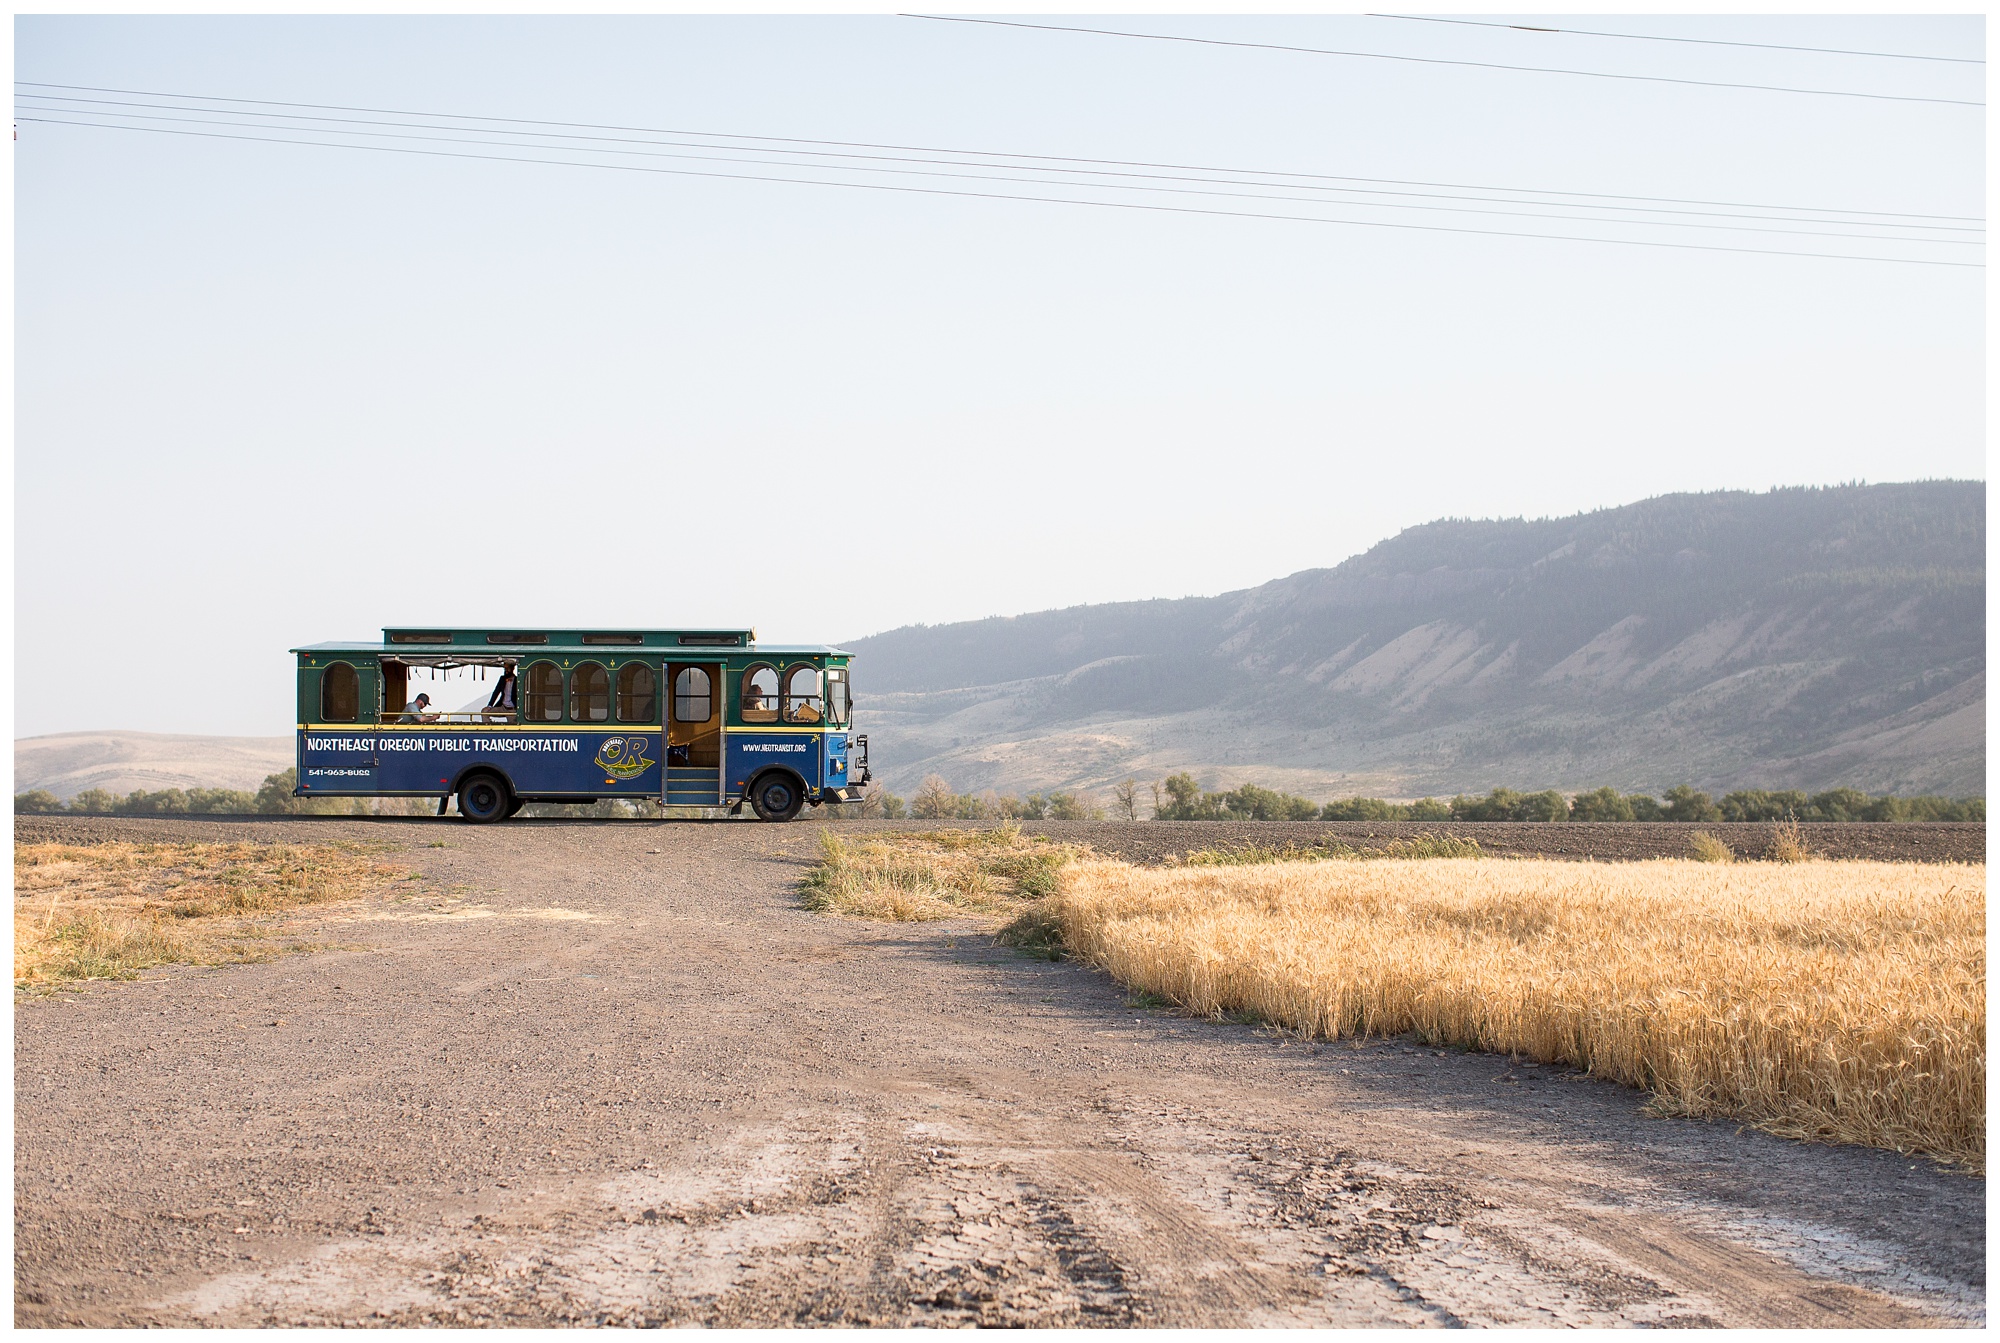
{"x":503,"y":693}
{"x":760,"y":695}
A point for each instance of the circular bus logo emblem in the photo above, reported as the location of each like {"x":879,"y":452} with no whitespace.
{"x":622,"y":757}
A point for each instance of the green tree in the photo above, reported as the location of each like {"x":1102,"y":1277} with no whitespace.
{"x":94,"y":801}
{"x":1428,"y":809}
{"x":221,"y":802}
{"x":1685,"y":804}
{"x":1498,"y":805}
{"x":1839,"y":804}
{"x":36,"y":802}
{"x":1644,"y":806}
{"x":1547,"y":805}
{"x":1362,"y":809}
{"x":1183,"y":798}
{"x":1602,"y":804}
{"x":1752,"y":804}
{"x":275,"y":797}
{"x":1070,"y":807}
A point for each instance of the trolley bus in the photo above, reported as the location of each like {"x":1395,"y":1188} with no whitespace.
{"x":683,"y":718}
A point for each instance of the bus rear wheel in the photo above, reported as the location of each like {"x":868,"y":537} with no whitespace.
{"x":483,"y":799}
{"x":776,"y":797}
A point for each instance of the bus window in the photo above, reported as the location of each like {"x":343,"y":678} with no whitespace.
{"x":836,"y":696}
{"x":545,"y":693}
{"x":636,"y":693}
{"x":692,"y":696}
{"x":339,"y":694}
{"x":802,"y":695}
{"x":760,"y":694}
{"x":589,"y":694}
{"x":395,"y":689}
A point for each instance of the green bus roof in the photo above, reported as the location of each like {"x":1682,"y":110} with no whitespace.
{"x":519,"y":642}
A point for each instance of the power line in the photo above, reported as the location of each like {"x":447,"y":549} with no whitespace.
{"x":989,"y":153}
{"x":936,"y":169}
{"x":864,"y":163}
{"x":1049,"y":200}
{"x":1439,"y":60}
{"x":1696,"y":41}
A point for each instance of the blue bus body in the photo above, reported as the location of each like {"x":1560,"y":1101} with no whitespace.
{"x":685,"y":742}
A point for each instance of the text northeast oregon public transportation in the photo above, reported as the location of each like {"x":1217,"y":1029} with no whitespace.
{"x":686,"y":718}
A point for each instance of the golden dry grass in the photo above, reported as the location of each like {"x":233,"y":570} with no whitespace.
{"x":936,"y":874}
{"x":1840,"y":1002}
{"x":108,"y":911}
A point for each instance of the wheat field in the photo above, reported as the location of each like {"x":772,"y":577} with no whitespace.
{"x":1837,"y":1002}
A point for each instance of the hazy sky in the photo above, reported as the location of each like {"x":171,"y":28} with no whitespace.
{"x":272,"y":394}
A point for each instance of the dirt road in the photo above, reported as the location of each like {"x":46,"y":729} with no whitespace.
{"x":611,"y":1073}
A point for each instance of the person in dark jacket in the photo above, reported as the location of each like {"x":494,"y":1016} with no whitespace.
{"x":503,"y":693}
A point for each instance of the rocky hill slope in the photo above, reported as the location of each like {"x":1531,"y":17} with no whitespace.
{"x":1800,"y":638}
{"x":67,"y":763}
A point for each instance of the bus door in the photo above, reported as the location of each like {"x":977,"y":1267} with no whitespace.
{"x":693,"y":774}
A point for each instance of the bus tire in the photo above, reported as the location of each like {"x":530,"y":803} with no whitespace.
{"x":484,"y":798}
{"x":776,"y":796}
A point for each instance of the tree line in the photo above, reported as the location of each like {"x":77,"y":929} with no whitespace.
{"x":1176,"y":798}
{"x":274,"y":798}
{"x":1180,"y":798}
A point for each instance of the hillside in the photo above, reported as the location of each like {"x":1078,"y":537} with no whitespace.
{"x":66,"y":763}
{"x":1800,"y":638}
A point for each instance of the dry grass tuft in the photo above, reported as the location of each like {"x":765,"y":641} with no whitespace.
{"x":939,"y":874}
{"x":1708,"y":849}
{"x":1839,"y":1002}
{"x":1788,"y":844}
{"x":108,"y":911}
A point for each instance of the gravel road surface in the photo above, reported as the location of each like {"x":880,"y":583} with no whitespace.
{"x":610,"y":1073}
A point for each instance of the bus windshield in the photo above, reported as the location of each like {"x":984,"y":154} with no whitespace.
{"x":836,"y":696}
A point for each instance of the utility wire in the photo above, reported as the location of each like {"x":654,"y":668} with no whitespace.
{"x":1439,"y":60}
{"x":865,"y":163}
{"x":938,"y":171}
{"x":1696,"y":41}
{"x":1050,"y":200}
{"x":988,"y":153}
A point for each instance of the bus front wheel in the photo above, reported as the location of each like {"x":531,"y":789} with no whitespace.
{"x":483,"y":799}
{"x":776,"y":797}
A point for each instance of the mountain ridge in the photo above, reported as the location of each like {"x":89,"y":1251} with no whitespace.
{"x":1720,"y":639}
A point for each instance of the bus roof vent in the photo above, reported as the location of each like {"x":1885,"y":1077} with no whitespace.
{"x":711,"y":641}
{"x":614,"y":638}
{"x":514,"y":638}
{"x":419,"y":636}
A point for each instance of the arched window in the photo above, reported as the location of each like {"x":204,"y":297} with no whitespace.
{"x":545,"y":693}
{"x":760,"y":694}
{"x":339,"y":694}
{"x":694,"y":700}
{"x":838,"y":705}
{"x":638,"y":693}
{"x":802,"y":695}
{"x":589,"y":694}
